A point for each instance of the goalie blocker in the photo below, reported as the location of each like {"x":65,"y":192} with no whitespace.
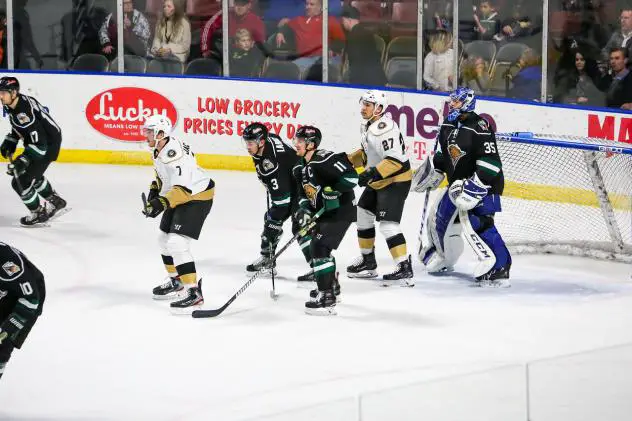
{"x":468,"y":156}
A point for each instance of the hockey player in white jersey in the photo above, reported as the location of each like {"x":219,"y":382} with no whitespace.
{"x":184,"y":192}
{"x":387,"y":178}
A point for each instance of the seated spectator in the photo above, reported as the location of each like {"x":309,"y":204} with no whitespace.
{"x":621,"y":38}
{"x":365,"y":61}
{"x":486,"y":20}
{"x":476,"y":75}
{"x":240,"y":16}
{"x":521,"y":24}
{"x":527,"y":83}
{"x":308,"y":33}
{"x":438,"y":64}
{"x":245,"y":60}
{"x":135,"y":32}
{"x":579,"y":85}
{"x":618,"y":83}
{"x":172,"y":39}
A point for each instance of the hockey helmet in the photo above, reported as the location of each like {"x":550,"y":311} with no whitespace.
{"x":255,"y":132}
{"x":158,"y":123}
{"x":9,"y":83}
{"x":309,"y":134}
{"x":466,"y":97}
{"x":377,"y":98}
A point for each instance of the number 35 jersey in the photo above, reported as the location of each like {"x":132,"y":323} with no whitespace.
{"x":179,"y":177}
{"x":383,"y":148}
{"x":468,"y":147}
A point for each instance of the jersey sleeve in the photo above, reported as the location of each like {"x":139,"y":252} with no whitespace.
{"x":488,"y":165}
{"x":340,"y":170}
{"x":29,"y":125}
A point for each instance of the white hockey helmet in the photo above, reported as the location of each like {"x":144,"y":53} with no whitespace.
{"x":158,"y":123}
{"x":377,"y":98}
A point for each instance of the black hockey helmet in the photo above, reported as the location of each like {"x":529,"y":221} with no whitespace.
{"x":255,"y":132}
{"x":309,"y":134}
{"x":9,"y":83}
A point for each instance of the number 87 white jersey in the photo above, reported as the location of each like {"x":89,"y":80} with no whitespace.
{"x":381,"y":140}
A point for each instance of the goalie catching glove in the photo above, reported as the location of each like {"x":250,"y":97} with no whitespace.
{"x":467,"y":194}
{"x":426,"y":177}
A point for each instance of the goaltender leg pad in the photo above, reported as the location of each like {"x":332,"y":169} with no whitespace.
{"x":482,"y":220}
{"x":485,"y":255}
{"x":444,"y":237}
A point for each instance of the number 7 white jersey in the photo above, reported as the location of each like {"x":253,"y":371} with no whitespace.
{"x":175,"y":165}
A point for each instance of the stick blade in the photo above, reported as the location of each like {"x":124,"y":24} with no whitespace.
{"x":203,"y":314}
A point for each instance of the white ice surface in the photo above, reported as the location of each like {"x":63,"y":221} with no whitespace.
{"x":104,"y":350}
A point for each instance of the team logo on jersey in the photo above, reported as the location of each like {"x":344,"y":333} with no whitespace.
{"x":23,"y":118}
{"x":171,"y":153}
{"x":11,"y":268}
{"x":381,"y":125}
{"x":311,"y":192}
{"x":267,"y":165}
{"x":483,"y":124}
{"x":455,"y":153}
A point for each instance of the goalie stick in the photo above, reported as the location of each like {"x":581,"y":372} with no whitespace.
{"x":425,"y":210}
{"x":198,"y":314}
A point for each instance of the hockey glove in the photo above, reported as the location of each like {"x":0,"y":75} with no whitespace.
{"x":19,"y":166}
{"x":466,"y":194}
{"x":154,"y":207}
{"x":154,"y":191}
{"x":369,"y":175}
{"x":304,"y":214}
{"x":8,"y":146}
{"x":331,"y":199}
{"x":11,"y":328}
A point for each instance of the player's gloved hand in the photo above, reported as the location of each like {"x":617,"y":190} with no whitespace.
{"x":10,"y":328}
{"x":331,"y":199}
{"x":370,"y":174}
{"x":154,"y":191}
{"x":467,"y":194}
{"x":19,"y":166}
{"x":304,"y":213}
{"x":8,"y":146}
{"x":155,"y":207}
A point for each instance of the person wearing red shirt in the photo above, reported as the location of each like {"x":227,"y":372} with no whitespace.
{"x":239,"y":17}
{"x":308,"y":34}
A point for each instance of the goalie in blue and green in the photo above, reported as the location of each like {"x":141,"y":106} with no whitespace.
{"x":326,"y":182}
{"x":468,"y":156}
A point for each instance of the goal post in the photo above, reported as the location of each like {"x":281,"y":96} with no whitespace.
{"x":566,"y":195}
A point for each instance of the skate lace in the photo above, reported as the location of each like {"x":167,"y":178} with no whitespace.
{"x":398,"y":268}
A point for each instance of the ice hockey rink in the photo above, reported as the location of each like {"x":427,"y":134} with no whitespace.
{"x":104,"y":350}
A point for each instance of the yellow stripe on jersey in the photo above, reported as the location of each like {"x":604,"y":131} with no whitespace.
{"x":178,"y":195}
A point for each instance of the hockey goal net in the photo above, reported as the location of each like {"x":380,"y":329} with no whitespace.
{"x":566,"y":195}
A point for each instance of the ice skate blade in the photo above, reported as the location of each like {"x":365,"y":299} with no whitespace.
{"x":38,"y":225}
{"x":367,"y":274}
{"x":403,"y":283}
{"x":60,"y":213}
{"x":498,"y":283}
{"x":185,"y":311}
{"x":262,"y":273}
{"x":327,"y":311}
{"x":168,"y":297}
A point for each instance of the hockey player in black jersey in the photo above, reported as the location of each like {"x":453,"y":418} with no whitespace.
{"x":274,"y":162}
{"x":22,"y":295}
{"x":41,"y":137}
{"x":327,"y":180}
{"x":468,"y":156}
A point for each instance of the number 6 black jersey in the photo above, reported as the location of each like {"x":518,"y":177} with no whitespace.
{"x":467,"y":147}
{"x":274,"y":170}
{"x":31,"y":122}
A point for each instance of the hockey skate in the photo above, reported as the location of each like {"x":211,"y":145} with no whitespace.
{"x":60,"y":206}
{"x":323,"y":305}
{"x":403,"y":275}
{"x":38,"y":217}
{"x":263,"y":264}
{"x":192,"y":300}
{"x":313,"y":294}
{"x":169,"y":290}
{"x":495,"y":278}
{"x":363,"y":267}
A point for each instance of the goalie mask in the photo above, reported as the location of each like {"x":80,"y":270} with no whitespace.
{"x":467,"y":102}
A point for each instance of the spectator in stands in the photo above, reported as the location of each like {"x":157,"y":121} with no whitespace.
{"x":308,"y":33}
{"x":527,"y":83}
{"x":240,"y":16}
{"x":623,"y":37}
{"x":521,"y":23}
{"x":136,"y":32}
{"x":279,"y":11}
{"x":438,"y":64}
{"x":3,"y":40}
{"x":618,"y":84}
{"x":172,"y":39}
{"x":441,"y":13}
{"x":245,"y":60}
{"x":23,"y":37}
{"x":486,"y":20}
{"x":579,"y":85}
{"x":365,"y":61}
{"x":476,"y":75}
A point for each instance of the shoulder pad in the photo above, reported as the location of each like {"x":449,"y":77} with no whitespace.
{"x":321,"y":155}
{"x":479,"y":124}
{"x":383,"y":125}
{"x":171,"y":152}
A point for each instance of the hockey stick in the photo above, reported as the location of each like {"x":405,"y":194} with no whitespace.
{"x":273,"y":293}
{"x":15,"y":176}
{"x":197,"y":314}
{"x":425,"y":211}
{"x":142,"y":196}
